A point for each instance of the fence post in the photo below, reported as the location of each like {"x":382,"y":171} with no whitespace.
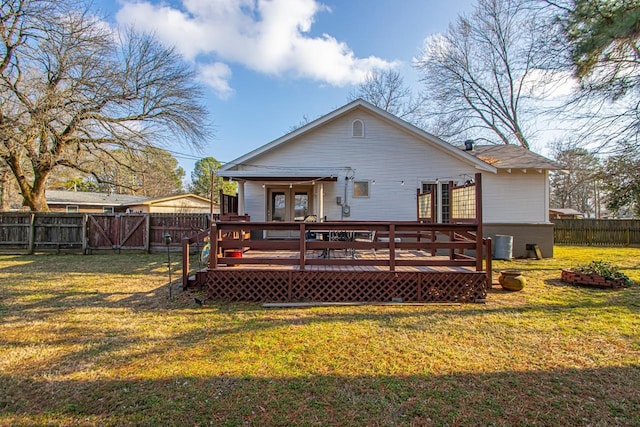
{"x":148,"y":232}
{"x":31,"y":245}
{"x":85,"y":232}
{"x":627,"y":235}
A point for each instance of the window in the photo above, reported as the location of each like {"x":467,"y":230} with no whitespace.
{"x":357,"y":129}
{"x":360,"y":188}
{"x":72,"y":209}
{"x":107,"y":210}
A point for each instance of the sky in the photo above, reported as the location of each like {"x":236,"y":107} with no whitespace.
{"x":266,"y":65}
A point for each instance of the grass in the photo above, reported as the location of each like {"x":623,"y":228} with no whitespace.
{"x":94,"y":340}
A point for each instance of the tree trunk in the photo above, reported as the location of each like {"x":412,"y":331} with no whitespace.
{"x":4,"y":190}
{"x":33,"y":195}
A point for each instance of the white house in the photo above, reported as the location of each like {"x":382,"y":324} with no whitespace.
{"x":361,"y":163}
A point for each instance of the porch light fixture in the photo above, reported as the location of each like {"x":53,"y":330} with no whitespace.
{"x":290,"y":185}
{"x":263,"y":185}
{"x":402,"y":182}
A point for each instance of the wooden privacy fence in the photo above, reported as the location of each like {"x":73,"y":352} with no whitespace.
{"x":28,"y":232}
{"x":597,"y":232}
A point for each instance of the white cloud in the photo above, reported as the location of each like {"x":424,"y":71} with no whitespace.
{"x":267,"y":36}
{"x":217,"y":76}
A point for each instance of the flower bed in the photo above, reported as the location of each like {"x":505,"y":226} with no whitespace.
{"x":592,"y":279}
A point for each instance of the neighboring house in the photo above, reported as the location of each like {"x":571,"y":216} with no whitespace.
{"x":88,"y":202}
{"x":183,"y":203}
{"x":565,"y":213}
{"x":361,"y":163}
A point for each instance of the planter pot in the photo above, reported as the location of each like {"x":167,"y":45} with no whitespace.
{"x":512,"y":280}
{"x":232,"y":253}
{"x":579,"y":278}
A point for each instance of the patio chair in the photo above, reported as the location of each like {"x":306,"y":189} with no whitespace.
{"x":365,"y":236}
{"x":311,"y":236}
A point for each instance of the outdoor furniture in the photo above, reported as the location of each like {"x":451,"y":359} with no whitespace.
{"x":365,"y":236}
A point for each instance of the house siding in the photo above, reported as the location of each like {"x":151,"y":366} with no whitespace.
{"x":515,"y":197}
{"x":387,"y":154}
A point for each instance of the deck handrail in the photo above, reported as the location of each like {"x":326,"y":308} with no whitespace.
{"x":187,"y":241}
{"x":456,"y":239}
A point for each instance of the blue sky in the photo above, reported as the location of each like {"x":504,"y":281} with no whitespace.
{"x":267,"y":64}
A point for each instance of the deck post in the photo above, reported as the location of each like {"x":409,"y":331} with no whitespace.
{"x":303,"y":245}
{"x":489,"y":262}
{"x":479,"y":233}
{"x":213,"y":244}
{"x":392,"y":247}
{"x":185,"y":262}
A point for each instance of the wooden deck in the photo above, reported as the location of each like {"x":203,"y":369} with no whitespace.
{"x":406,"y":262}
{"x":411,"y":262}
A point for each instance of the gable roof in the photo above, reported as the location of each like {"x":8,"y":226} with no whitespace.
{"x":87,"y":198}
{"x":228,"y":168}
{"x":148,"y":201}
{"x":512,"y":157}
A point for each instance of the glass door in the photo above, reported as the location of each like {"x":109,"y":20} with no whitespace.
{"x":278,"y":206}
{"x":287,"y":204}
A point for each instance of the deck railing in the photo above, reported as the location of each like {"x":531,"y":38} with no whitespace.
{"x":455,"y":244}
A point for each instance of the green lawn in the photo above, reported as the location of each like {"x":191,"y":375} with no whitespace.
{"x":94,"y":340}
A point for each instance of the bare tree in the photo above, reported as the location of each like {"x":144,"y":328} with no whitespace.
{"x":386,"y":90}
{"x":621,"y":176}
{"x":598,"y":43}
{"x":71,"y":85}
{"x":578,"y":185}
{"x":151,"y":172}
{"x":479,"y":74}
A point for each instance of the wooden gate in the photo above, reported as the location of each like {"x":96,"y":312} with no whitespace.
{"x":117,"y":231}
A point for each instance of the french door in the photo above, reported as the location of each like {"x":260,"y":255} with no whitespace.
{"x":287,"y":204}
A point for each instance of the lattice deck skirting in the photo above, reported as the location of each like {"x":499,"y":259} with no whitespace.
{"x":344,"y":286}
